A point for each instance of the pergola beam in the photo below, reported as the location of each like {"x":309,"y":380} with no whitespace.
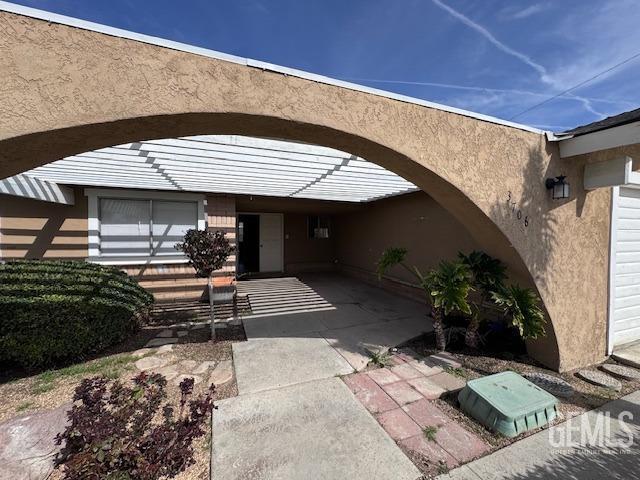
{"x":35,"y":188}
{"x":229,"y":164}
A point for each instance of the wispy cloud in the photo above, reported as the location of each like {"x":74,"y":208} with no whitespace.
{"x":594,"y":42}
{"x":588,"y":51}
{"x":514,"y":12}
{"x":586,"y":101}
{"x":492,"y":39}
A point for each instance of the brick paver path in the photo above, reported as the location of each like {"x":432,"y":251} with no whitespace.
{"x":399,"y":397}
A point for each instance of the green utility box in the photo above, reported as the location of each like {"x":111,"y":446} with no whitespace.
{"x":508,"y":403}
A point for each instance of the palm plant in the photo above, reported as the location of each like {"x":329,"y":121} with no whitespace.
{"x":523,"y":306}
{"x":488,"y":276}
{"x":447,"y":287}
{"x":396,"y":256}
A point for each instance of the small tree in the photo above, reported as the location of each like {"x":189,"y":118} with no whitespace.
{"x":488,"y":275}
{"x":523,"y":306}
{"x":207,"y":252}
{"x":446,"y":288}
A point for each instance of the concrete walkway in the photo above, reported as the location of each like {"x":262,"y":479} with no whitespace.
{"x":574,"y":450}
{"x":628,"y":354}
{"x":314,"y":430}
{"x":293,"y":418}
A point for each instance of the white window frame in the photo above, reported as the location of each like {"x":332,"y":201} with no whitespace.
{"x":95,"y":194}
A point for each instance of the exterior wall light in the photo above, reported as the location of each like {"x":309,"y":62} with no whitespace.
{"x":560,"y":188}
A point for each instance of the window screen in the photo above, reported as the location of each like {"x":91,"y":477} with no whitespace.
{"x":171,"y":220}
{"x":143,"y":228}
{"x":124,"y":227}
{"x":318,"y":226}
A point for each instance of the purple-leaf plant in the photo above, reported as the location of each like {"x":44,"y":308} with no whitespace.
{"x":127,"y":432}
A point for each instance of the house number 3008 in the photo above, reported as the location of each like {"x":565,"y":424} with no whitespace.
{"x":515,"y":210}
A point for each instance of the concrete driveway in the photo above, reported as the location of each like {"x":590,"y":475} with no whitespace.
{"x":317,"y":327}
{"x":293,"y":417}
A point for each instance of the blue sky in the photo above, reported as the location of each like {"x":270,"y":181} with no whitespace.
{"x":497,"y":57}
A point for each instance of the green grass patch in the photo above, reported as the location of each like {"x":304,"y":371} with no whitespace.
{"x":458,"y":372}
{"x":430,"y":433}
{"x":24,"y":406}
{"x":381,"y":359}
{"x":442,"y":468}
{"x":110,"y":367}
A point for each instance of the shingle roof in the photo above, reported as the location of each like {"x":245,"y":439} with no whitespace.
{"x":609,"y":122}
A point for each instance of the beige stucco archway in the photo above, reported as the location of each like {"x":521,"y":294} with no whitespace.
{"x":65,"y":90}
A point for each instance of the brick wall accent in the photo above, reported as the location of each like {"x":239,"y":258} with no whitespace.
{"x":168,"y":283}
{"x":221,"y":215}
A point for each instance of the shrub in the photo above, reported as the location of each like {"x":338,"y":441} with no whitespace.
{"x":52,"y":312}
{"x":125,"y":432}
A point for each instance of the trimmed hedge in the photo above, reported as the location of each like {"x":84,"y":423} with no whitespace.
{"x":53,"y":312}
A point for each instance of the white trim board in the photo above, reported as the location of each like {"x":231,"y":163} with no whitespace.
{"x":613,"y":238}
{"x":117,"y":32}
{"x":609,"y":173}
{"x":138,"y":261}
{"x":145,"y":195}
{"x":617,"y":172}
{"x":620,"y":136}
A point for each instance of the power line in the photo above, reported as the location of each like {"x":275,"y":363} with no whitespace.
{"x":633,"y":57}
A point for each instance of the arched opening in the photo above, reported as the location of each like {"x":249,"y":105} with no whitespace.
{"x":22,"y":153}
{"x":104,"y":87}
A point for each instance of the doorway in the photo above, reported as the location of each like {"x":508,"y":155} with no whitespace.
{"x":260,"y":243}
{"x":248,"y":243}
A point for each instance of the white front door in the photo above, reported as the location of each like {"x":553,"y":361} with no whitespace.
{"x":624,"y":322}
{"x":271,"y":242}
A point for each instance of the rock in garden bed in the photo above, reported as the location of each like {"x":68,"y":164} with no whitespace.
{"x":552,"y":384}
{"x":27,"y":445}
{"x":600,"y":379}
{"x":621,"y":371}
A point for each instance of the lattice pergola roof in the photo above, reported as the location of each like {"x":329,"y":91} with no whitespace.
{"x":229,"y":164}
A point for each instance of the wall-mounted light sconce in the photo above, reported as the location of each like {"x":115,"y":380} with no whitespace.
{"x":559,"y":187}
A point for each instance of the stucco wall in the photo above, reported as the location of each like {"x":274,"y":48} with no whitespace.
{"x":304,"y":254}
{"x":34,"y":229}
{"x":64,"y":90}
{"x":414,"y":221}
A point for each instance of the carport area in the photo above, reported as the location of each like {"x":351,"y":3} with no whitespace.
{"x":294,"y":417}
{"x":317,"y":326}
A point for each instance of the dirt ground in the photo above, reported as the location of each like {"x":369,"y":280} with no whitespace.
{"x":23,"y":392}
